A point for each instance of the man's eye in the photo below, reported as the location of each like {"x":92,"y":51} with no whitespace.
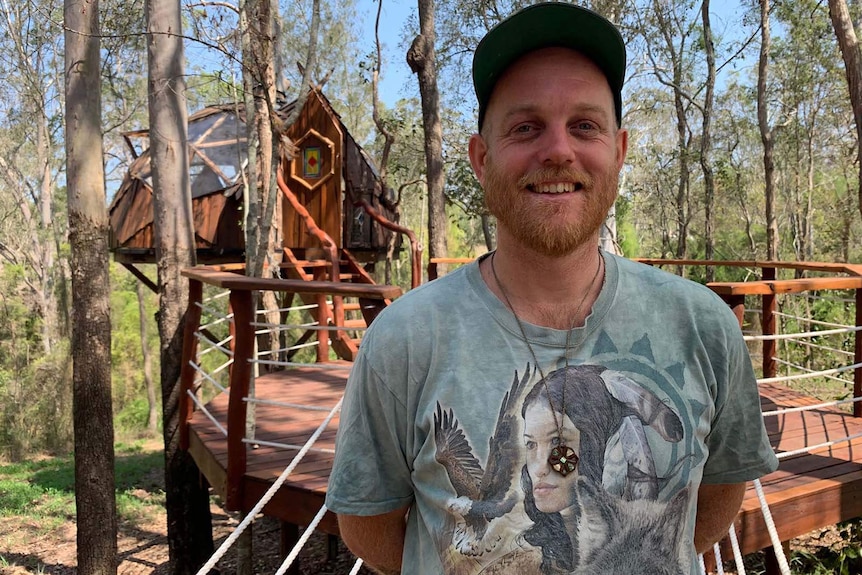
{"x":531,"y":445}
{"x":585,"y":126}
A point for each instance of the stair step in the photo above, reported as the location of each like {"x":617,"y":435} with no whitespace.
{"x":354,"y":323}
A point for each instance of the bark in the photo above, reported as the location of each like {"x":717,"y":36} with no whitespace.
{"x":766,"y":135}
{"x":187,"y":500}
{"x":706,"y":141}
{"x":421,"y":58}
{"x":850,"y":51}
{"x":152,"y":405}
{"x":91,"y":333}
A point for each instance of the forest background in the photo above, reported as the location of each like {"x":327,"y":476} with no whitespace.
{"x":682,"y":194}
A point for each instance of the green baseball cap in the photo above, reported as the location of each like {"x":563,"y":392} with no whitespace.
{"x":548,"y":25}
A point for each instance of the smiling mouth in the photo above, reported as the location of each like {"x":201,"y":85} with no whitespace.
{"x":556,"y":188}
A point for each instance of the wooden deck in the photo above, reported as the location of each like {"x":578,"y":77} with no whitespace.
{"x":807,"y":491}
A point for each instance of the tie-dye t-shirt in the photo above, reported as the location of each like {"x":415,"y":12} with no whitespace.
{"x":446,"y":412}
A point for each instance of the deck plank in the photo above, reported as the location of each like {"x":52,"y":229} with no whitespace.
{"x":806,"y":492}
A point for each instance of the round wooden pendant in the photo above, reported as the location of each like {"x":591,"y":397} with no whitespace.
{"x":563,"y":460}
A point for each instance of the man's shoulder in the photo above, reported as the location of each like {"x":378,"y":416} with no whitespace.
{"x":643,"y":276}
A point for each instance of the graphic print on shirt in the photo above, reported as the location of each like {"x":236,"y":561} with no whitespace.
{"x":511,"y":515}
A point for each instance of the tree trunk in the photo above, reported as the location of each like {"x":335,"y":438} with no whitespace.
{"x":421,"y":58}
{"x":187,"y":500}
{"x":766,"y":135}
{"x":152,"y":406}
{"x":706,"y":142}
{"x":91,"y":332}
{"x":849,"y":45}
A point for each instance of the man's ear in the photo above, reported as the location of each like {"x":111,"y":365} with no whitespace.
{"x":622,"y":147}
{"x":478,"y":151}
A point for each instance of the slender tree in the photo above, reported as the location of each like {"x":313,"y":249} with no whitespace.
{"x":91,"y":327}
{"x":850,"y":51}
{"x":187,"y":499}
{"x":766,"y":134}
{"x":421,"y":57}
{"x":706,"y":139}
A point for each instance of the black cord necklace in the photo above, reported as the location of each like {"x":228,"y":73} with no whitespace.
{"x":562,"y":458}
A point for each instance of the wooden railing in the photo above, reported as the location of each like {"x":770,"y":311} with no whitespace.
{"x":372,"y":299}
{"x":768,"y":287}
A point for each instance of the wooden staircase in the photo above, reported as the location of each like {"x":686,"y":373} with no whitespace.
{"x":354,"y":316}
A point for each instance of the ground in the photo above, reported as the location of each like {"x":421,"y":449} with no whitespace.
{"x":27,"y":548}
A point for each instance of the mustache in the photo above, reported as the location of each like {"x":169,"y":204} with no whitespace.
{"x":555,"y":174}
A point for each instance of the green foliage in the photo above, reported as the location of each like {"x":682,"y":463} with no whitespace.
{"x":44,"y":488}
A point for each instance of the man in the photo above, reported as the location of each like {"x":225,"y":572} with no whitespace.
{"x":550,"y":408}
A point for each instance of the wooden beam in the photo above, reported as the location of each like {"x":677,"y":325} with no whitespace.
{"x":767,"y":287}
{"x":233,"y":281}
{"x":240,"y":377}
{"x":141,"y":277}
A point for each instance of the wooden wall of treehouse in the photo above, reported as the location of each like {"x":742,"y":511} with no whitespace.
{"x":361,"y":232}
{"x":217,"y":217}
{"x":315,"y":175}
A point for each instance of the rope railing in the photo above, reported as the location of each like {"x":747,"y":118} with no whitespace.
{"x":804,"y":334}
{"x":258,"y":442}
{"x":270,"y":493}
{"x":809,"y":375}
{"x":208,"y":376}
{"x":219,"y":345}
{"x":810,"y":345}
{"x":809,"y":370}
{"x":810,"y":321}
{"x":815,"y":407}
{"x":203,"y":409}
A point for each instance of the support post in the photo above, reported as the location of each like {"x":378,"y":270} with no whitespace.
{"x":289,"y":538}
{"x":190,"y":350}
{"x":736,"y":302}
{"x":768,"y":327}
{"x":857,"y":357}
{"x":242,"y":303}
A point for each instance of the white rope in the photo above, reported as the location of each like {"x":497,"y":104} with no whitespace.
{"x":822,"y":347}
{"x":810,"y":375}
{"x":301,"y":364}
{"x":256,"y":441}
{"x":786,"y":454}
{"x":803,"y":334}
{"x":207,"y":376}
{"x":220,"y":295}
{"x":291,"y":348}
{"x":215,"y":345}
{"x":288,"y":561}
{"x":814,"y":321}
{"x":226,"y":318}
{"x":719,"y":564}
{"x":308,"y":327}
{"x":784,"y":410}
{"x":284,"y":404}
{"x":287,"y":309}
{"x":206,"y":412}
{"x":700,"y":564}
{"x":819,"y":297}
{"x":282,"y":326}
{"x":356,"y":567}
{"x":770,"y":527}
{"x":737,"y":552}
{"x":809,"y":370}
{"x":269,"y":494}
{"x":211,"y":310}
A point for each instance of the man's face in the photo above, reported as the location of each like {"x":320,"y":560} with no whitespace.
{"x":550,"y":151}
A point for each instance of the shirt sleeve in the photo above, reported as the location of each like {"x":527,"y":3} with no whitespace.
{"x":371,"y":474}
{"x":739,"y":448}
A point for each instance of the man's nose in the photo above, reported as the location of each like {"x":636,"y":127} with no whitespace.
{"x":558,"y":146}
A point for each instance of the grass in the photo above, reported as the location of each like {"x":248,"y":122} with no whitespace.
{"x":44,"y":489}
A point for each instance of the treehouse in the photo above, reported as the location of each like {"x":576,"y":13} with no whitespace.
{"x":332,"y":197}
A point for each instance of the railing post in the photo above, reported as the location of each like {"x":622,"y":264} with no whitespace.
{"x":190,"y":350}
{"x":322,"y":321}
{"x":768,"y":327}
{"x":242,"y":303}
{"x":857,"y":357}
{"x":736,"y":303}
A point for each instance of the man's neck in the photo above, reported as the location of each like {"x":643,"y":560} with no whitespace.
{"x":545,"y":290}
